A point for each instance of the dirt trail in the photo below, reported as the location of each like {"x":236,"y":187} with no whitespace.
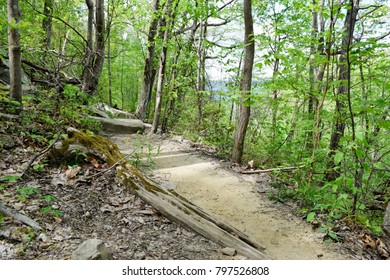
{"x":235,"y":199}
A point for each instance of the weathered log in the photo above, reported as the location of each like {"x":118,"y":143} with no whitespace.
{"x":171,"y":204}
{"x":271,"y":170}
{"x":18,"y":216}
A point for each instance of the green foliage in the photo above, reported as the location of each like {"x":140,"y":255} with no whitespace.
{"x":54,"y":212}
{"x":144,"y":154}
{"x":26,"y":192}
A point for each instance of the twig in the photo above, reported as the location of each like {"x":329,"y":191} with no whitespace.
{"x":20,"y":217}
{"x":39,"y":155}
{"x":271,"y":169}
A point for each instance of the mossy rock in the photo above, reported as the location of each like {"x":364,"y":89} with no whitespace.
{"x":6,"y":142}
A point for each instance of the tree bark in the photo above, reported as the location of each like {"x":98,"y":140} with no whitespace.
{"x":342,"y":90}
{"x":94,"y":57}
{"x":88,"y":61}
{"x":246,"y":84}
{"x":47,"y":22}
{"x":100,"y":44}
{"x":14,"y":50}
{"x":161,"y":70}
{"x":147,"y":83}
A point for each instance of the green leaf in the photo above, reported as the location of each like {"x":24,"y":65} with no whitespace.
{"x":359,"y":152}
{"x":338,"y":157}
{"x":310,"y":217}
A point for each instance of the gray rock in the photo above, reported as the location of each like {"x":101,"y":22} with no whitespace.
{"x":229,"y":251}
{"x":122,"y":126}
{"x":114,"y":112}
{"x":27,"y":85}
{"x":92,"y":249}
{"x":6,"y":142}
{"x":386,"y":221}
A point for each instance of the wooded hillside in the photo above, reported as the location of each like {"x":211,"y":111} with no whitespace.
{"x":281,"y":83}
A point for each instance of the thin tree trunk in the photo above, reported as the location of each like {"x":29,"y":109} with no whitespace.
{"x":147,"y":83}
{"x":100,"y":44}
{"x":343,"y":88}
{"x":47,"y":22}
{"x":94,"y":57}
{"x":88,"y":61}
{"x":200,"y":78}
{"x":109,"y":21}
{"x":312,"y":104}
{"x":14,"y":49}
{"x":246,"y":84}
{"x":161,"y":70}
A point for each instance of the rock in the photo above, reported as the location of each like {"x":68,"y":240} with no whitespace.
{"x":27,"y":85}
{"x":6,"y":142}
{"x":386,"y":221}
{"x":92,"y":249}
{"x":43,"y":237}
{"x":228,"y":251}
{"x":114,"y":112}
{"x":122,"y":126}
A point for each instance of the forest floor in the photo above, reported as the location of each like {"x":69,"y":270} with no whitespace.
{"x":76,"y":203}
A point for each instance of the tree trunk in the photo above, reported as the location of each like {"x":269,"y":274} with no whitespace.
{"x":88,"y":61}
{"x":100,"y":42}
{"x":163,"y":60}
{"x":14,"y":49}
{"x":246,"y":84}
{"x":109,"y":21}
{"x":342,"y":90}
{"x":94,"y":60}
{"x":200,"y":73}
{"x":47,"y":22}
{"x":147,"y":83}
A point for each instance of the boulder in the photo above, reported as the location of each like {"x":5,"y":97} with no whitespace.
{"x":123,"y":126}
{"x":92,"y":249}
{"x":386,"y":221}
{"x":4,"y":77}
{"x":6,"y":142}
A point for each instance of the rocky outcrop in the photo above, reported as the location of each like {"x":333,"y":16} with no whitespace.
{"x":114,"y":112}
{"x":121,"y":126}
{"x":92,"y":249}
{"x":4,"y":77}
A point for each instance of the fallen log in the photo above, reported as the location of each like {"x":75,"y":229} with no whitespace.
{"x":18,"y":216}
{"x":171,"y":204}
{"x":257,"y":171}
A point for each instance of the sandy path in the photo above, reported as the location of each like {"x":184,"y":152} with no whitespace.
{"x":233,"y":197}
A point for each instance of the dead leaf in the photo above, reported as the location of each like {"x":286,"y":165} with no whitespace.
{"x":95,"y":163}
{"x":57,"y":220}
{"x":72,"y":171}
{"x":251,"y":163}
{"x":382,"y":249}
{"x":368,"y":241}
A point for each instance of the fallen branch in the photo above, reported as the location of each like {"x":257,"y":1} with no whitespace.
{"x":270,"y":170}
{"x":39,"y":155}
{"x":20,"y":217}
